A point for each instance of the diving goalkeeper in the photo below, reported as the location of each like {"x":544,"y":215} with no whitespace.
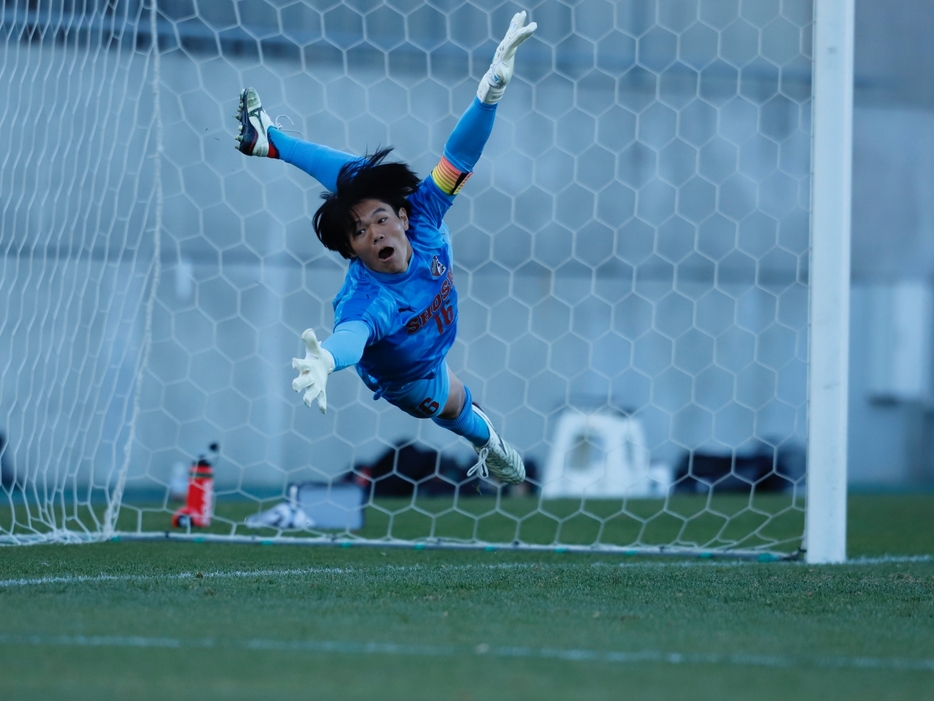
{"x":395,"y":317}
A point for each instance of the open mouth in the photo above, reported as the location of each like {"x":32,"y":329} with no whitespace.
{"x":385,"y":253}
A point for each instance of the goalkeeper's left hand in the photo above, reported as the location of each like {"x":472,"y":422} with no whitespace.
{"x":493,"y":84}
{"x":313,"y":371}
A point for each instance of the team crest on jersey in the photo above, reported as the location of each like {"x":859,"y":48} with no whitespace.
{"x":437,"y":268}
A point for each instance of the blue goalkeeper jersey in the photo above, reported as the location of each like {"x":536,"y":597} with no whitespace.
{"x":411,"y":316}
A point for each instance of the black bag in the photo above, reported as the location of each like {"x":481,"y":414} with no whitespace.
{"x":768,"y":470}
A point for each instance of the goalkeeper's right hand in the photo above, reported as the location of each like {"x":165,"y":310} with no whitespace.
{"x":313,"y":371}
{"x":493,"y":84}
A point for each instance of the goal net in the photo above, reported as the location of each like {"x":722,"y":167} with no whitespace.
{"x":630,"y":255}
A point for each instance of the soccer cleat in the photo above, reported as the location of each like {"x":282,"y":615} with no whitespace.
{"x":253,"y":139}
{"x":497,"y":457}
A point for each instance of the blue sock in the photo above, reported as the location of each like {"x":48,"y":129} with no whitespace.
{"x":468,"y":424}
{"x":320,"y":162}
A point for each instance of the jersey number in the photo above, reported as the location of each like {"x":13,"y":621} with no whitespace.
{"x":428,"y":406}
{"x":444,"y":317}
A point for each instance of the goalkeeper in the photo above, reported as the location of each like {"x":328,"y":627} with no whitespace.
{"x":395,"y":317}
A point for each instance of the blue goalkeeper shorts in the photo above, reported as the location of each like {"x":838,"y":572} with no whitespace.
{"x":423,"y":399}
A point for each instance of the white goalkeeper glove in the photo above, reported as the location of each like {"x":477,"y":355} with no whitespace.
{"x":313,"y":371}
{"x":493,"y":84}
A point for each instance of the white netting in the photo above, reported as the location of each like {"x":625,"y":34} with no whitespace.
{"x":631,"y":259}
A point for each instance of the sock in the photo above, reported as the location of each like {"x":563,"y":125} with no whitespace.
{"x":468,"y":424}
{"x":273,"y":151}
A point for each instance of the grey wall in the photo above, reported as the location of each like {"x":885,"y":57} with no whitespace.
{"x":893,"y":226}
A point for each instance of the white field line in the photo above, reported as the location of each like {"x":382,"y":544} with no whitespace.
{"x":81,"y":579}
{"x":887,"y":559}
{"x":293,"y":572}
{"x":375,"y":648}
{"x":243,"y":574}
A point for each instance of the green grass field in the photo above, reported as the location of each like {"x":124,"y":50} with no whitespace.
{"x":764,"y":522}
{"x":772,"y":521}
{"x":166,"y":620}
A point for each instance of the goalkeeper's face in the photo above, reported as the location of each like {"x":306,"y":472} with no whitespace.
{"x":378,"y":238}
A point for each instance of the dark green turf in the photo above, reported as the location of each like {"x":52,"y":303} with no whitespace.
{"x":818,"y":623}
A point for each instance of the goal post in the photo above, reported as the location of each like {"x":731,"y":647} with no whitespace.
{"x":632,"y":256}
{"x":832,"y":162}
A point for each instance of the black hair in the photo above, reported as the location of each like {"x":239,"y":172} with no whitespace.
{"x":367,"y":178}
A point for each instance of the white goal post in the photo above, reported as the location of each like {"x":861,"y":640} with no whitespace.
{"x":828,"y":378}
{"x":641,"y":299}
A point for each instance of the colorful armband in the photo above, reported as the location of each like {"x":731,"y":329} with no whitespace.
{"x":448,"y":178}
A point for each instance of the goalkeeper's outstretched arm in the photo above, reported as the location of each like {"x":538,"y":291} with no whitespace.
{"x":341,"y":349}
{"x":466,"y":142}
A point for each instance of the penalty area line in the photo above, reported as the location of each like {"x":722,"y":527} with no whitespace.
{"x":304,"y":571}
{"x":482,"y":650}
{"x":241,"y":574}
{"x":83,"y":579}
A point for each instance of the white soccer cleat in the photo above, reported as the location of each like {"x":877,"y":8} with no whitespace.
{"x":497,"y":457}
{"x":253,"y":139}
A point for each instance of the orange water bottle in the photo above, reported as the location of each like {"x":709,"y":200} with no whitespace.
{"x":199,"y":505}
